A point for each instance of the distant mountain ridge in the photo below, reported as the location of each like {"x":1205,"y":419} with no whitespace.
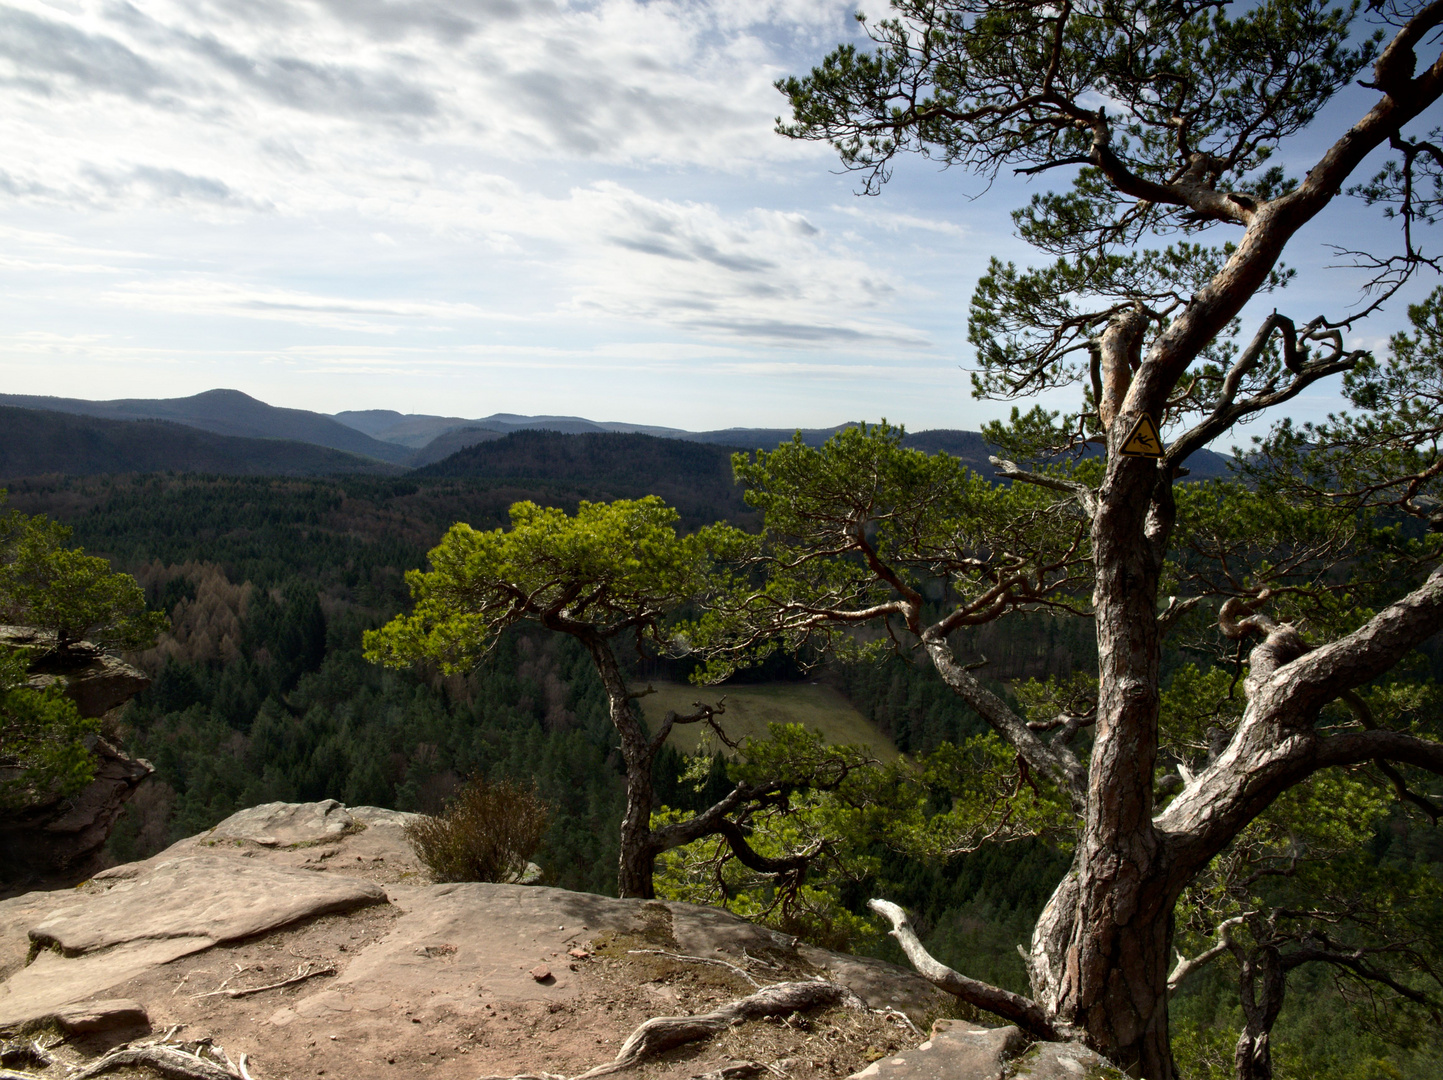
{"x":36,"y":442}
{"x":226,"y":412}
{"x":418,"y":429}
{"x":400,"y":440}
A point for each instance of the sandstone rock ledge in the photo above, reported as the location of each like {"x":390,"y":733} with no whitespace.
{"x":307,"y":937}
{"x":65,"y":835}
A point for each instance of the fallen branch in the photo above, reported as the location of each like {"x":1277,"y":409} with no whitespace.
{"x":758,"y":960}
{"x":661,"y":1033}
{"x":700,"y":960}
{"x":301,"y":975}
{"x":1024,"y":1012}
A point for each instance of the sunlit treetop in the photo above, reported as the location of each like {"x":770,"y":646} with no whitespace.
{"x":63,"y":591}
{"x":610,"y":568}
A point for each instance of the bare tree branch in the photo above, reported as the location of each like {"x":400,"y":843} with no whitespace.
{"x":1086,"y":497}
{"x":1023,"y":1012}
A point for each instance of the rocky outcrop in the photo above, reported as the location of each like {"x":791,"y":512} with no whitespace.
{"x":64,"y":836}
{"x":96,"y":681}
{"x":281,"y":824}
{"x":162,"y":911}
{"x":307,"y":937}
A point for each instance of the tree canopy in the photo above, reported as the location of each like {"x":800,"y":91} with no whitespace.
{"x":61,"y":590}
{"x":611,"y":570}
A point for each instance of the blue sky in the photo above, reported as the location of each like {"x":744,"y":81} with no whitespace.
{"x":478,"y":206}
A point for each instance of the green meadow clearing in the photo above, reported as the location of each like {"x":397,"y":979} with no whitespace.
{"x":750,"y":708}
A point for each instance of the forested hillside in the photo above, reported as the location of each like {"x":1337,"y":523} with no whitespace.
{"x":261,"y":692}
{"x":693,"y":477}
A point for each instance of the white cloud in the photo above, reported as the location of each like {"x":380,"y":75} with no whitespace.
{"x":568,"y":185}
{"x":204,"y":297}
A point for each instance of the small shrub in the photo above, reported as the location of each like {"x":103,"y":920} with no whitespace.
{"x":488,"y":832}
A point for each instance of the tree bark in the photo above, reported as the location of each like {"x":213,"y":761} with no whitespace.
{"x":638,"y":848}
{"x":1261,"y":989}
{"x":1112,"y":917}
{"x":640,"y":844}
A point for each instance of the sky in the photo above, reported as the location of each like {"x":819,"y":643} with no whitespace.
{"x":464,"y":207}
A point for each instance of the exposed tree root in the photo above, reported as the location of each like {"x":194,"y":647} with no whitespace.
{"x":735,"y":1070}
{"x":661,"y":1033}
{"x":171,"y":1062}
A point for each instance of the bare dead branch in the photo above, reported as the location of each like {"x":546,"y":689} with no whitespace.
{"x":1175,"y":610}
{"x":1186,"y":966}
{"x":704,"y":714}
{"x":245,"y":991}
{"x":1228,"y":411}
{"x":1360,"y":709}
{"x":1023,"y":1012}
{"x":1086,"y":497}
{"x":1058,"y":763}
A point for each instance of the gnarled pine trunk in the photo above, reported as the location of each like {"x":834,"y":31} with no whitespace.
{"x":1261,"y":988}
{"x":1100,"y":952}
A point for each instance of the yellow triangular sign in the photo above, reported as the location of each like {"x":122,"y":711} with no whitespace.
{"x":1143,"y":440}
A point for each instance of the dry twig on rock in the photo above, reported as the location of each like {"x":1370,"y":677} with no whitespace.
{"x":661,"y":1033}
{"x":302,"y":974}
{"x":699,"y":960}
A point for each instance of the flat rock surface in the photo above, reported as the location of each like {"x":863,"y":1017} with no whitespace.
{"x":281,"y":824}
{"x":17,"y":915}
{"x":434,"y":982}
{"x":104,"y":1015}
{"x":52,"y":982}
{"x":207,"y":897}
